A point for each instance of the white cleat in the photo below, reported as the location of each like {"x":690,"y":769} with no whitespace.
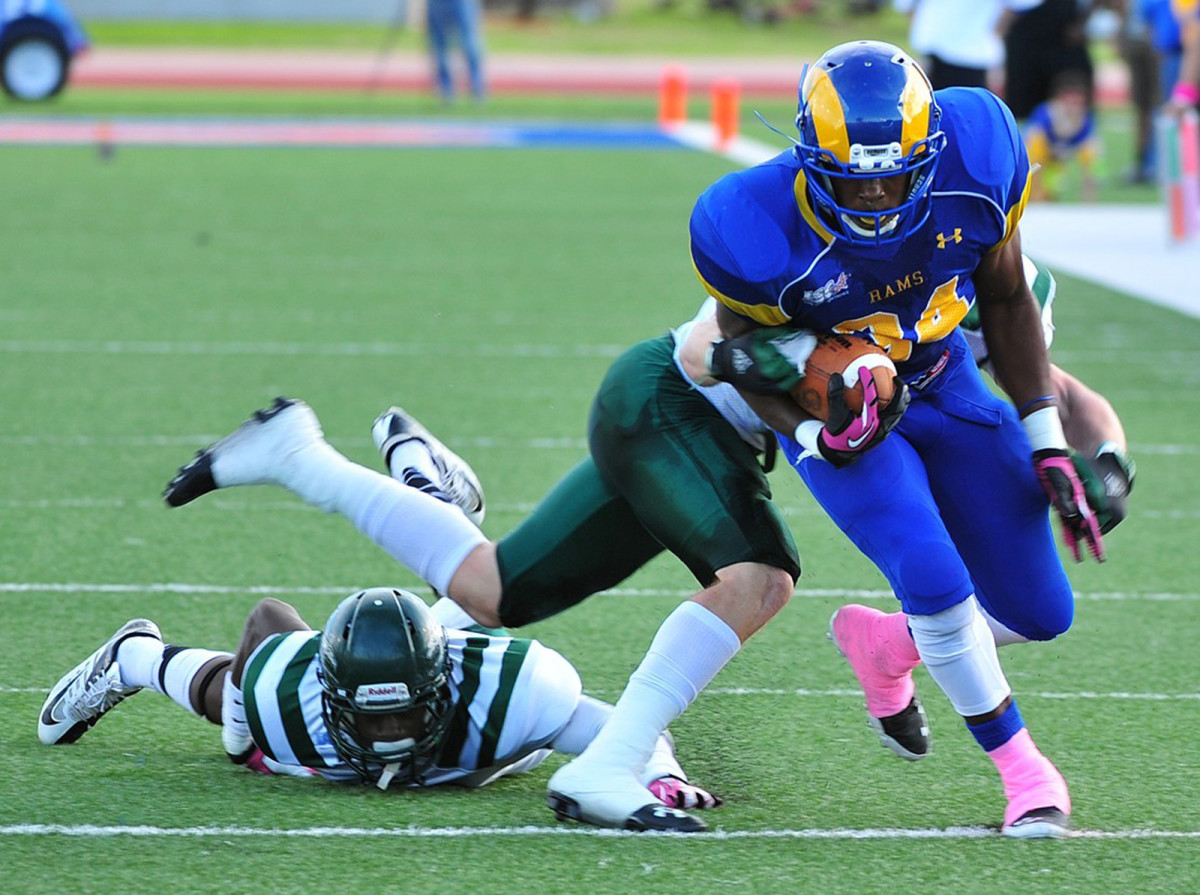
{"x":85,"y":693}
{"x":250,"y":455}
{"x":613,"y":799}
{"x":395,"y":426}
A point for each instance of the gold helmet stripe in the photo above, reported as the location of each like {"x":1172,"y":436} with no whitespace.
{"x":828,"y":116}
{"x":916,"y":100}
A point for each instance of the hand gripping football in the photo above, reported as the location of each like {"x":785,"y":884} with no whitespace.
{"x":837,"y":353}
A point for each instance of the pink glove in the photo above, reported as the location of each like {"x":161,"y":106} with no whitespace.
{"x":846,"y":434}
{"x":1061,"y":483}
{"x":676,"y":793}
{"x":260,"y":764}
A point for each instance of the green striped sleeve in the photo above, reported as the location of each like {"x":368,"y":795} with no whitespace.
{"x":460,"y":724}
{"x":510,"y":668}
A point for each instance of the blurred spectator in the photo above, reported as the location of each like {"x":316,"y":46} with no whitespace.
{"x":1164,"y":37}
{"x":1041,"y":42}
{"x":960,"y":42}
{"x":1135,"y":43}
{"x":450,"y":22}
{"x":1062,"y":132}
{"x":1185,"y":91}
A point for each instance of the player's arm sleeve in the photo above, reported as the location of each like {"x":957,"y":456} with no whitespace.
{"x":737,"y":252}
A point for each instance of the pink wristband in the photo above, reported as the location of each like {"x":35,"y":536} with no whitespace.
{"x":1185,"y":94}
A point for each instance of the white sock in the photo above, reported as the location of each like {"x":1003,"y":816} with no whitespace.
{"x":235,"y":731}
{"x":691,"y":646}
{"x":960,"y":655}
{"x":137,"y":657}
{"x":427,"y":535}
{"x":173,"y":673}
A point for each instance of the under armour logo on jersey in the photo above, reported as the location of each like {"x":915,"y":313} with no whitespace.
{"x":944,"y":240}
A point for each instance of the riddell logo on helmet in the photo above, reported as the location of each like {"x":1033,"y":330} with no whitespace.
{"x":368,"y":695}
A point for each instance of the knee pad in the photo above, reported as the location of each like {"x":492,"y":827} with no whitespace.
{"x":949,"y":622}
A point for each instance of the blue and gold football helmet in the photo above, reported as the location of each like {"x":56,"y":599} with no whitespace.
{"x":867,"y":111}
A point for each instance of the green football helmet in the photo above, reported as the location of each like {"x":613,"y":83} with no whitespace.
{"x":384,"y":654}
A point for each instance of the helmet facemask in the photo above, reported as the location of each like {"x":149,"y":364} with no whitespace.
{"x":414,"y":726}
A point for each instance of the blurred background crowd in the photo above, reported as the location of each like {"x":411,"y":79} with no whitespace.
{"x":1051,"y":60}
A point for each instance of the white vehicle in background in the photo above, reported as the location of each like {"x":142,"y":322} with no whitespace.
{"x":38,"y":41}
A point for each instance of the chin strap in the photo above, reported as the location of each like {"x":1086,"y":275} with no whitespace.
{"x":771,"y":127}
{"x":385,"y":777}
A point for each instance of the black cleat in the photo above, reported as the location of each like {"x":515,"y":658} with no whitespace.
{"x":252,"y":454}
{"x":191,"y":481}
{"x":906,"y":733}
{"x":662,"y":819}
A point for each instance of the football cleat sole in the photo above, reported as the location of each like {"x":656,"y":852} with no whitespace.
{"x":1040,"y":823}
{"x":196,"y":478}
{"x":906,"y":733}
{"x":651,"y":818}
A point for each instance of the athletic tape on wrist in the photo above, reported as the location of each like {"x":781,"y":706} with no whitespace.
{"x":806,"y":436}
{"x":708,"y":357}
{"x":1044,"y":429}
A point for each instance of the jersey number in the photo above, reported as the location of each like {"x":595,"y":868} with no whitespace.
{"x":945,"y":310}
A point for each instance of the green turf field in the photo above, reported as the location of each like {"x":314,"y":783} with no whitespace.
{"x":153,"y":301}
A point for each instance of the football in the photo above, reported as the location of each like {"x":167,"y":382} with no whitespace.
{"x":837,"y":353}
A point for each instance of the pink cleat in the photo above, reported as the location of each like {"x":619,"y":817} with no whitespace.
{"x":1039,"y":806}
{"x":882,"y":656}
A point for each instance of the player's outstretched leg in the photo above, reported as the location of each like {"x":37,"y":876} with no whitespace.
{"x":607,"y":798}
{"x":396,"y":432}
{"x":85,"y":693}
{"x":250,"y":455}
{"x":882,"y":656}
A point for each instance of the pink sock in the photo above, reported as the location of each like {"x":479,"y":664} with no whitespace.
{"x":896,"y":652}
{"x":1030,"y":779}
{"x":882,"y":654}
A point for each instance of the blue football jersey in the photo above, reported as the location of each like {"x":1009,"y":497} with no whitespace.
{"x":760,"y":248}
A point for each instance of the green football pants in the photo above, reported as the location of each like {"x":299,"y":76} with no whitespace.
{"x":666,"y":471}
